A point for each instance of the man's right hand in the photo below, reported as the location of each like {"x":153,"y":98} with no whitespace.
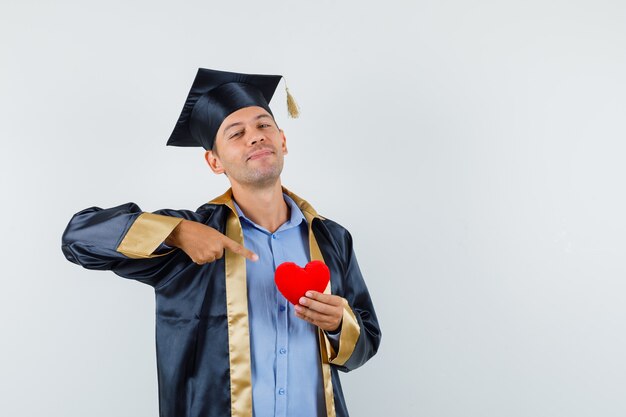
{"x":204,"y":244}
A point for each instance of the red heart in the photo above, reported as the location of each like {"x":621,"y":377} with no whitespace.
{"x":293,"y":282}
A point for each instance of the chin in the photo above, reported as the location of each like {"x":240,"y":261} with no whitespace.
{"x":264,"y":178}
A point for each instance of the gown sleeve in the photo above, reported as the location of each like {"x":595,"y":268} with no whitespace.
{"x":125,"y":240}
{"x":360,"y":332}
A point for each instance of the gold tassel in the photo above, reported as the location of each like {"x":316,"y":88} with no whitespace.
{"x":292,"y":106}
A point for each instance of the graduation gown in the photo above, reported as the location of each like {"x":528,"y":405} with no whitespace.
{"x":202,"y":334}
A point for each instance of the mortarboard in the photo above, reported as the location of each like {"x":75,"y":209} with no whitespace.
{"x":216,"y":94}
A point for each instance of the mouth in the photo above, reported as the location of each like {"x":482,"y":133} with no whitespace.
{"x":259,"y":154}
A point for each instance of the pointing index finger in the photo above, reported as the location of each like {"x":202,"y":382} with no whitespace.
{"x":239,"y":249}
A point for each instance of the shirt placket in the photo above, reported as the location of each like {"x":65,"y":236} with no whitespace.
{"x":282,"y":335}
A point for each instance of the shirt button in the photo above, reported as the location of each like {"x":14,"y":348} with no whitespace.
{"x":282,"y":308}
{"x":281,"y":391}
{"x":283,"y":351}
{"x":274,"y":237}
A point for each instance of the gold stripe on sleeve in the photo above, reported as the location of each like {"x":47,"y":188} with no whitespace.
{"x":350,"y":332}
{"x":146,"y":234}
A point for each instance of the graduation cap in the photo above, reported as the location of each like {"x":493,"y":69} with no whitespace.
{"x":216,"y":94}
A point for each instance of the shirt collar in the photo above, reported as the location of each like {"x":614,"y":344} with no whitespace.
{"x":295,"y":219}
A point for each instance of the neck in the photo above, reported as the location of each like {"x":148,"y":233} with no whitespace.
{"x":265,"y":206}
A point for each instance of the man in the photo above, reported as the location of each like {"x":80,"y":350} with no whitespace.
{"x":228,"y":343}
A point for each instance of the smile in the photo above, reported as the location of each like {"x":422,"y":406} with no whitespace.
{"x":260,"y":154}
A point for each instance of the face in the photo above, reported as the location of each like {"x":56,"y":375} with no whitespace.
{"x":250,"y":148}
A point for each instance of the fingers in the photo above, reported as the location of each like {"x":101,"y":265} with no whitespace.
{"x":318,"y":299}
{"x":323,"y":310}
{"x":319,"y":306}
{"x":323,"y":321}
{"x":204,"y":244}
{"x":239,"y":249}
{"x":208,"y":253}
{"x":207,"y":260}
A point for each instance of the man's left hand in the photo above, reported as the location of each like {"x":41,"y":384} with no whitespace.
{"x":323,"y":310}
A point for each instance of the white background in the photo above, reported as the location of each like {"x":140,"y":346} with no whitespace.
{"x":474,"y":149}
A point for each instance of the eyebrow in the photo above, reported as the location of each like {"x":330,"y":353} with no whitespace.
{"x":260,"y":116}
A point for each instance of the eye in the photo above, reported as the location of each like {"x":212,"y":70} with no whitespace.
{"x":235,"y":134}
{"x":264,"y":125}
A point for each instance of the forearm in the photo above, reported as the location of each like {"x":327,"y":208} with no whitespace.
{"x":360,"y":330}
{"x":362,"y":346}
{"x":93,"y":235}
{"x":122,"y":239}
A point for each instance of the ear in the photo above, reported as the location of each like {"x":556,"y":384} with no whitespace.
{"x":214,"y":162}
{"x":284,"y":141}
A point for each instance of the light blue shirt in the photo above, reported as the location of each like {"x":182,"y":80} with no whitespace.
{"x":286,"y":370}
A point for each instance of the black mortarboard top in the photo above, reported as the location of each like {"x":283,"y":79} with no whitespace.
{"x":216,"y":94}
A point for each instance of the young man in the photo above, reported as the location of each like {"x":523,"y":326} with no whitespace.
{"x":228,"y":343}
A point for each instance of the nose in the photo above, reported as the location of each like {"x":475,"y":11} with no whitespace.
{"x":256,"y":137}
